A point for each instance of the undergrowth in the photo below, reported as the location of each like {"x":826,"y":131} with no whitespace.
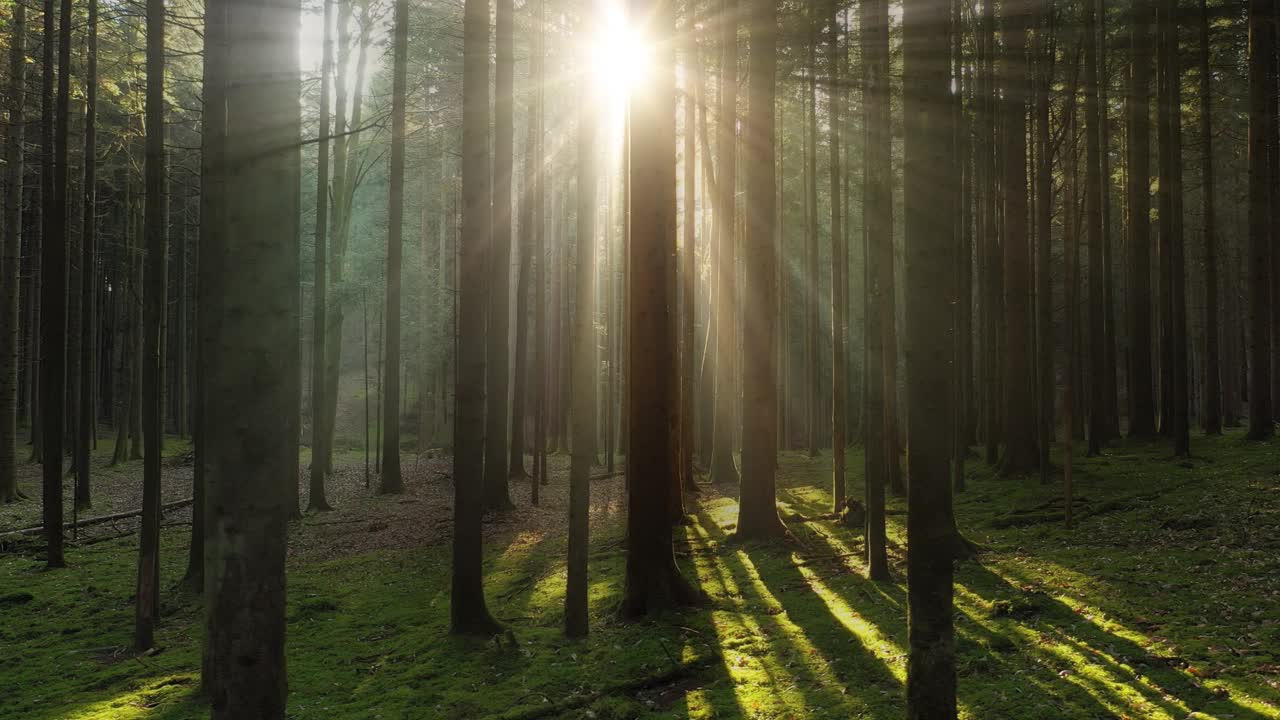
{"x":1161,"y":603}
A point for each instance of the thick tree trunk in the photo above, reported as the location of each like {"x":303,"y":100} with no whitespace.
{"x":249,"y":329}
{"x":652,"y":581}
{"x":10,"y":260}
{"x":468,"y":613}
{"x":1020,"y":455}
{"x":1261,"y":82}
{"x":1173,"y":294}
{"x":931,"y":679}
{"x":758,"y":509}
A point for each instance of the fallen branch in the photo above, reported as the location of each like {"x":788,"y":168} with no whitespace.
{"x":100,"y":519}
{"x":559,"y":709}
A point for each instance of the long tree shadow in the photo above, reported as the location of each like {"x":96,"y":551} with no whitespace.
{"x":1103,"y":662}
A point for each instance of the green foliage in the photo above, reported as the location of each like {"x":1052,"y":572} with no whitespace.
{"x":1159,"y":604}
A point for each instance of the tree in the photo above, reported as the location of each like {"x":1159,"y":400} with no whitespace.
{"x":877,"y":218}
{"x":88,"y":259}
{"x":652,"y":581}
{"x":11,"y":257}
{"x":147,"y":603}
{"x":391,"y":482}
{"x":53,"y":296}
{"x":931,"y":678}
{"x":1261,"y":48}
{"x":758,"y":508}
{"x":319,"y":374}
{"x":814,"y":284}
{"x":497,"y":368}
{"x":723,"y":470}
{"x":839,"y":266}
{"x":584,"y":367}
{"x":1138,"y":190}
{"x":468,"y":613}
{"x":1093,"y":223}
{"x":248,"y":300}
{"x":1020,"y":454}
{"x":1212,"y":346}
{"x":1174,"y":376}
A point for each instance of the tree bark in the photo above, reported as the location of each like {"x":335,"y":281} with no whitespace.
{"x":931,"y":678}
{"x":10,"y":260}
{"x":652,"y":581}
{"x":390,"y":481}
{"x":497,"y":368}
{"x":723,"y":469}
{"x":839,"y":266}
{"x":319,"y":372}
{"x":1212,"y":420}
{"x":468,"y":613}
{"x":758,"y":507}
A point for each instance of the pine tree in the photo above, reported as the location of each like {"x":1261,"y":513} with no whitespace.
{"x":10,"y":259}
{"x":391,"y":482}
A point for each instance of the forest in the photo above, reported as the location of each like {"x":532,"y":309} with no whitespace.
{"x":639,"y":359}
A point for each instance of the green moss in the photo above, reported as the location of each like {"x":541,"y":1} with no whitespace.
{"x":1159,"y":604}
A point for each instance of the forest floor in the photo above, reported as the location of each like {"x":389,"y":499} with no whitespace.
{"x":1163,"y":602}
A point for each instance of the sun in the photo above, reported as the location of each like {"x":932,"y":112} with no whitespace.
{"x":619,"y":57}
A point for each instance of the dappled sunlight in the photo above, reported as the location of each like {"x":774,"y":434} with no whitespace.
{"x":892,"y":654}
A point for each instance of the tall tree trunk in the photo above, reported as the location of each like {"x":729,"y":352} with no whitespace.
{"x":723,"y":470}
{"x":538,"y":163}
{"x":1044,"y":241}
{"x":147,"y":602}
{"x":391,"y":482}
{"x":520,"y":376}
{"x":813,"y":283}
{"x":877,"y":230}
{"x":1261,"y":83}
{"x":252,"y":323}
{"x":319,"y":371}
{"x":88,"y":263}
{"x":1020,"y":455}
{"x":53,"y":296}
{"x":687,"y":270}
{"x":931,"y":679}
{"x":468,"y":613}
{"x":1212,"y":346}
{"x":1093,"y":234}
{"x":497,"y":367}
{"x":11,"y":259}
{"x":652,"y":579}
{"x":758,"y":509}
{"x":1138,"y":123}
{"x":584,"y":366}
{"x":1172,"y":262}
{"x":839,"y":267}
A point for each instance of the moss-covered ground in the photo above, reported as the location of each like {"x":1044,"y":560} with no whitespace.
{"x":1162,"y":602}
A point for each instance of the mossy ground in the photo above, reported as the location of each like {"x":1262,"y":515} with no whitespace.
{"x":1162,"y":602}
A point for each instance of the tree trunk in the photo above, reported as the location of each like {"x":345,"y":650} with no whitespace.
{"x":497,"y":367}
{"x":813,"y":285}
{"x":319,"y":371}
{"x":1093,"y":234}
{"x":652,"y":580}
{"x":758,"y":508}
{"x":1174,"y":320}
{"x":1261,"y":82}
{"x":1138,"y":123}
{"x":147,"y":602}
{"x":10,"y":260}
{"x":723,"y":470}
{"x":877,"y":218}
{"x":88,"y":285}
{"x":468,"y":613}
{"x":251,"y":331}
{"x":584,"y":384}
{"x":931,"y":678}
{"x":390,"y":480}
{"x":839,"y":267}
{"x":1020,"y":454}
{"x":1212,"y":421}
